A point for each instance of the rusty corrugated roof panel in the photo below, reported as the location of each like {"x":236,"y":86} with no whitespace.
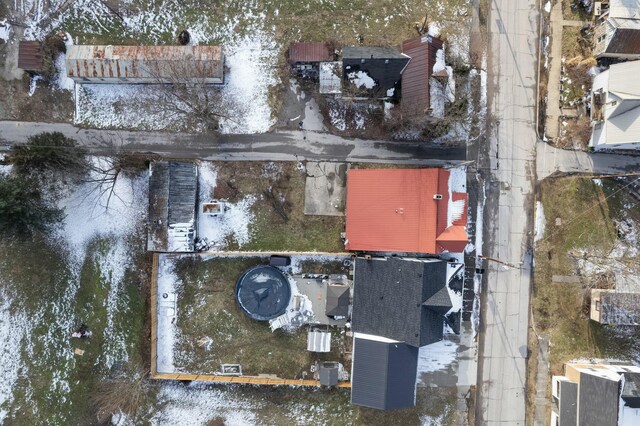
{"x":30,"y":56}
{"x":145,"y":62}
{"x":309,"y":52}
{"x":415,"y":78}
{"x":395,"y":210}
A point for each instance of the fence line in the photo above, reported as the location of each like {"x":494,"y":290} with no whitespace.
{"x":254,"y":380}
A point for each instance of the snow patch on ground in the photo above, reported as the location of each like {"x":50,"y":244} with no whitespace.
{"x":234,"y":222}
{"x":243,"y":99}
{"x":437,"y":356}
{"x":166,"y":315}
{"x":61,"y":81}
{"x":540,"y":222}
{"x":252,"y":63}
{"x":5,"y":169}
{"x":199,"y":404}
{"x":14,"y":327}
{"x":5,"y":30}
{"x":92,"y":212}
{"x":547,"y":7}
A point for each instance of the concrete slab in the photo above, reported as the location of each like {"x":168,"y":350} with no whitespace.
{"x":325,"y":188}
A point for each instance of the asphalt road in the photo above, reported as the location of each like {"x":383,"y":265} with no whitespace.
{"x":277,"y":146}
{"x":512,"y":56}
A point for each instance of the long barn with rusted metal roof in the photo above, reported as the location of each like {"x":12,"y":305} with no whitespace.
{"x":145,"y":64}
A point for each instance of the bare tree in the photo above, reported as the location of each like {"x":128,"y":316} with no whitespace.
{"x":185,"y":90}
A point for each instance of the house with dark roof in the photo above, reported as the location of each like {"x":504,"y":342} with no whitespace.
{"x":615,"y":308}
{"x":618,"y":33}
{"x":596,"y":395}
{"x":372,"y":71}
{"x":383,"y":374}
{"x":404,"y":211}
{"x":416,"y":78}
{"x":173,"y":188}
{"x":399,"y":305}
{"x":337,"y":300}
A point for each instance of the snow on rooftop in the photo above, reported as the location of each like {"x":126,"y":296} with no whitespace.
{"x":454,"y":269}
{"x":361,"y":79}
{"x":373,"y":338}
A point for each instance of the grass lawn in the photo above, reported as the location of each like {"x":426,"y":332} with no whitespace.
{"x":579,"y":14}
{"x":561,"y":310}
{"x":293,"y":231}
{"x":207,"y":307}
{"x":56,"y":299}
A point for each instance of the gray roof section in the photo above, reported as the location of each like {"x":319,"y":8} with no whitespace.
{"x":389,"y":299}
{"x":598,"y":400}
{"x":337,"y":300}
{"x":368,"y":52}
{"x":620,"y":308}
{"x":383,"y":374}
{"x":328,"y":374}
{"x":183,"y":186}
{"x":172,"y":199}
{"x":568,"y":404}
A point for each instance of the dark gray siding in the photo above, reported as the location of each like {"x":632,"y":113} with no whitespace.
{"x":568,"y":404}
{"x":384,"y":374}
{"x":598,"y":401}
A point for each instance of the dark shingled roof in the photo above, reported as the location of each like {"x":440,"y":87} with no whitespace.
{"x":631,"y":390}
{"x":172,"y":199}
{"x":598,"y":400}
{"x":328,"y":373}
{"x":367,"y":52}
{"x":383,"y":374}
{"x":568,"y":404}
{"x":337,"y":300}
{"x":400,"y":299}
{"x":620,"y":308}
{"x":383,"y":64}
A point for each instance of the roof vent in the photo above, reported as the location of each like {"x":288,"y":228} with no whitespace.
{"x":400,"y":210}
{"x":437,"y":196}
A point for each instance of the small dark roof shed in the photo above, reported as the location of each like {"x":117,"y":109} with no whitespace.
{"x":30,"y":56}
{"x":631,"y":390}
{"x":329,"y":373}
{"x":383,"y":374}
{"x":309,"y":52}
{"x":337,"y":300}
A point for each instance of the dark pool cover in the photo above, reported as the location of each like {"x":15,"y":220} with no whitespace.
{"x":263,"y":293}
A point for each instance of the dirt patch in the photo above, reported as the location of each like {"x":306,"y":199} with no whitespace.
{"x":46,"y":104}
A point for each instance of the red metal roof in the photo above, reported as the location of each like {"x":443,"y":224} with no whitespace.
{"x":416,"y":97}
{"x":309,"y":52}
{"x":394,"y":210}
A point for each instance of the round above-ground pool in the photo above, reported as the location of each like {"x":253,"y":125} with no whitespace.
{"x":263,"y":293}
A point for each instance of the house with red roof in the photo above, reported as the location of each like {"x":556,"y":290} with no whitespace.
{"x":405,"y":211}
